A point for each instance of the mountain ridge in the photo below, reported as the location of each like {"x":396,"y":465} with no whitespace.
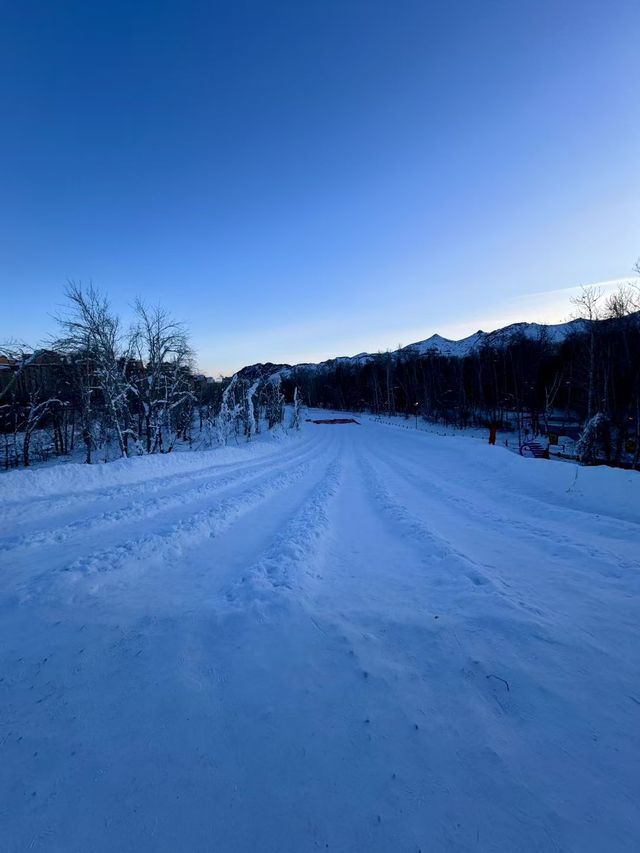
{"x":436,"y":344}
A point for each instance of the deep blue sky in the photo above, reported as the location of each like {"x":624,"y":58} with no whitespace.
{"x":305,"y":179}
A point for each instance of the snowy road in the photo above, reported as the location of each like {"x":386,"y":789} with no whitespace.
{"x":357,"y":639}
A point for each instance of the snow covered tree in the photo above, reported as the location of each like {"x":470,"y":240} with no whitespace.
{"x":595,"y":441}
{"x":296,"y":410}
{"x":91,"y":333}
{"x":274,"y":401}
{"x":161,"y":377}
{"x":250,"y":422}
{"x":34,"y":414}
{"x":230,"y":412}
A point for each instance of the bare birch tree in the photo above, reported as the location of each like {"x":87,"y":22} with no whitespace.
{"x":162,"y":376}
{"x":91,"y":331}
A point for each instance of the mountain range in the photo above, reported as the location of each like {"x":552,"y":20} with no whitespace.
{"x":436,"y":344}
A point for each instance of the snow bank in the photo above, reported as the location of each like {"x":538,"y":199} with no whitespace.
{"x":73,"y":477}
{"x":598,"y":489}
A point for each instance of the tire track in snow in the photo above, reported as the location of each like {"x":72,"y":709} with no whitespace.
{"x":293,"y":552}
{"x":612,"y":525}
{"x":50,"y":505}
{"x":546,"y":537}
{"x":440,"y":548}
{"x":140,"y":510}
{"x":188,"y":532}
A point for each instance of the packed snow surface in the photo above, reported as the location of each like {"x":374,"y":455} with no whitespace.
{"x":358,"y":638}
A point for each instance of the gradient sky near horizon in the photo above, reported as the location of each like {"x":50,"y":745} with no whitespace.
{"x":299,"y":180}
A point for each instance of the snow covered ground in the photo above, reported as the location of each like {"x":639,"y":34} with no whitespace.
{"x":505,"y":438}
{"x":355,"y":639}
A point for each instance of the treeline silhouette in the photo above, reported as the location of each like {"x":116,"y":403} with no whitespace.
{"x":547,"y":386}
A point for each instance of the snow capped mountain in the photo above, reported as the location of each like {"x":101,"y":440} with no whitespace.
{"x":498,"y":338}
{"x":437,"y":345}
{"x":446,"y":346}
